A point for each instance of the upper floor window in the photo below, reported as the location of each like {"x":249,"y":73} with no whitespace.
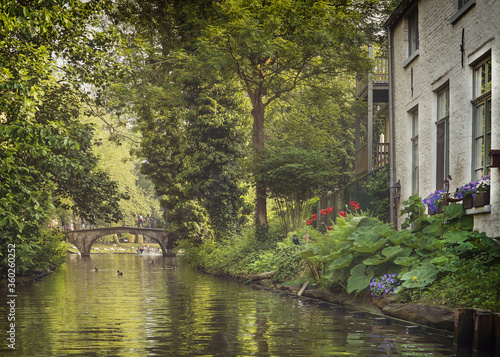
{"x":462,"y":3}
{"x":443,"y":141}
{"x":481,"y":129}
{"x":462,"y":8}
{"x":412,"y":31}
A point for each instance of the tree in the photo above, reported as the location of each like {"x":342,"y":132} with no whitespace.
{"x":193,"y":134}
{"x":44,"y":150}
{"x":272,"y":48}
{"x":292,"y":176}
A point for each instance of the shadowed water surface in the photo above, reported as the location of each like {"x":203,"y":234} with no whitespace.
{"x":152,"y":310}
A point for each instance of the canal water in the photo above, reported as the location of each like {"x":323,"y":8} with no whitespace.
{"x":154,"y":310}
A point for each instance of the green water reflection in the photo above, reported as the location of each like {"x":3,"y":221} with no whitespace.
{"x":153,"y":310}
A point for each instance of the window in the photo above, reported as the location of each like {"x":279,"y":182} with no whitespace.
{"x":414,"y":151}
{"x":481,"y":129}
{"x":463,"y":6}
{"x":412,"y":32}
{"x":443,"y":141}
{"x":462,"y":3}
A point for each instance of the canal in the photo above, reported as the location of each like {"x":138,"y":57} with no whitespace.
{"x":154,"y":310}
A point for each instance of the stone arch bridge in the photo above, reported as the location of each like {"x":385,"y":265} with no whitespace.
{"x":84,"y":238}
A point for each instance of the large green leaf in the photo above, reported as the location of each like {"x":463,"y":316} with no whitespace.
{"x":342,"y":262}
{"x":375,"y":260}
{"x":454,"y":211}
{"x":387,"y":254}
{"x":467,"y":223}
{"x":400,"y":236}
{"x":405,"y":261}
{"x":360,"y":278}
{"x":368,"y":243}
{"x":433,"y":229}
{"x":454,"y":236}
{"x":442,"y":260}
{"x":420,"y":277}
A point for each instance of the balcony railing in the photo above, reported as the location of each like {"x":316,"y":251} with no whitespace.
{"x":380,"y":75}
{"x":380,"y":158}
{"x":381,"y":154}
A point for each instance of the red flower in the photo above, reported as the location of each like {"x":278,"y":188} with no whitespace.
{"x":356,"y":206}
{"x":323,"y":212}
{"x":314,"y":217}
{"x":330,"y":228}
{"x":329,"y":210}
{"x":353,"y":203}
{"x":343,"y":214}
{"x":309,"y":222}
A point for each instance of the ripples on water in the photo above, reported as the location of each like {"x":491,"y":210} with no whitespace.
{"x":154,"y":311}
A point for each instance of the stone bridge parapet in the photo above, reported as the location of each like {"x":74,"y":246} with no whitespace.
{"x":84,"y":238}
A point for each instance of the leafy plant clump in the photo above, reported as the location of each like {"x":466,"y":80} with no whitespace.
{"x":476,"y":284}
{"x":419,"y":257}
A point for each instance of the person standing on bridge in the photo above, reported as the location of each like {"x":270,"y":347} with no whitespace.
{"x":141,"y":219}
{"x":148,"y":220}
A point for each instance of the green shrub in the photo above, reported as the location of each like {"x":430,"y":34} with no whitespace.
{"x":288,"y":261}
{"x":48,"y":251}
{"x":476,"y":283}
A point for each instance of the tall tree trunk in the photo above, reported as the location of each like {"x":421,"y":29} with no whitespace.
{"x":258,"y":112}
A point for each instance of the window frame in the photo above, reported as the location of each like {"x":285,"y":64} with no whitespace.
{"x":413,"y":33}
{"x":442,"y":136}
{"x":481,"y":119}
{"x":462,"y":9}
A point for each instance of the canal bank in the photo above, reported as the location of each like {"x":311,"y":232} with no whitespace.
{"x":424,"y":315}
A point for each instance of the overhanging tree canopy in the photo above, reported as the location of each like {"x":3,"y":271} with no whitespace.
{"x":48,"y":50}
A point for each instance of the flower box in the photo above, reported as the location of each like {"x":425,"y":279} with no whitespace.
{"x":481,"y":199}
{"x":467,"y":202}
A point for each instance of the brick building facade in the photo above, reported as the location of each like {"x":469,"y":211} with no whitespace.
{"x":444,"y":99}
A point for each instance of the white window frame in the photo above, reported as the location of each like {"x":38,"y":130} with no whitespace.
{"x":413,"y":33}
{"x":481,"y":120}
{"x":442,"y":136}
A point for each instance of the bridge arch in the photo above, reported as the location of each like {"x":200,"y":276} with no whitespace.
{"x":83,"y":239}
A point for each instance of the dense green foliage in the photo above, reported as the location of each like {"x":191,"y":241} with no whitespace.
{"x":292,"y":176}
{"x":45,"y":152}
{"x":193,"y":132}
{"x":201,"y":69}
{"x":475,"y":283}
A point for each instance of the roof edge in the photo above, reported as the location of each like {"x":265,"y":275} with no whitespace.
{"x":400,"y":10}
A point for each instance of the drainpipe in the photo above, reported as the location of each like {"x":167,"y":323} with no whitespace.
{"x":392,"y":178}
{"x":370,"y":115}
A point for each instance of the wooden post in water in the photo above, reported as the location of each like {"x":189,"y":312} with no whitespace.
{"x":496,"y":326}
{"x":304,"y":287}
{"x":464,"y":326}
{"x":483,"y":339}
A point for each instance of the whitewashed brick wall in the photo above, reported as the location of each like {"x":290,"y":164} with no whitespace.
{"x":438,"y":63}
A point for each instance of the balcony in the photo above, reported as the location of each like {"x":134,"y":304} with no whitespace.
{"x":380,"y":158}
{"x":380,"y":79}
